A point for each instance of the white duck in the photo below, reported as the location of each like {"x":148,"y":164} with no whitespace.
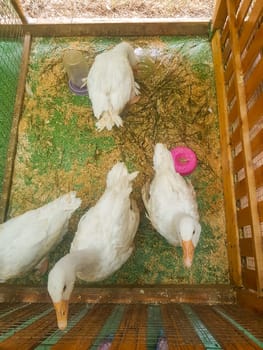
{"x":111,"y":84}
{"x":171,"y":205}
{"x":25,"y":240}
{"x":103,"y":241}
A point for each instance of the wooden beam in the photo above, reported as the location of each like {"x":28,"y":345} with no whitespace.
{"x":127,"y":27}
{"x":250,"y":300}
{"x":211,"y":294}
{"x":19,"y":9}
{"x":220,"y":15}
{"x":14,"y":130}
{"x":227,"y":166}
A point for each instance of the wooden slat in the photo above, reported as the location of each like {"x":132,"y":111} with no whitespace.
{"x":229,"y":69}
{"x":220,"y":14}
{"x":231,"y":91}
{"x":82,"y":335}
{"x":132,"y":330}
{"x":238,"y":162}
{"x":164,"y":294}
{"x":19,"y":9}
{"x":253,"y":50}
{"x":233,"y":113}
{"x":32,"y":335}
{"x":257,"y":144}
{"x":250,"y":299}
{"x":226,"y":52}
{"x":241,"y":188}
{"x":225,"y":34}
{"x":14,"y":130}
{"x":242,"y":12}
{"x":178,"y":330}
{"x":241,"y":99}
{"x":236,"y":137}
{"x":246,"y":247}
{"x":228,"y":184}
{"x":244,"y":217}
{"x":249,"y":25}
{"x":116,"y":27}
{"x":259,"y":176}
{"x":260,"y":210}
{"x":255,"y":112}
{"x":255,"y":79}
{"x":249,"y":279}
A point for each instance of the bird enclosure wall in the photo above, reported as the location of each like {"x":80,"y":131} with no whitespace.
{"x":237,"y":50}
{"x":236,"y":39}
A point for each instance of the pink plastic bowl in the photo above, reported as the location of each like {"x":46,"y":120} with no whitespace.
{"x":185,"y":160}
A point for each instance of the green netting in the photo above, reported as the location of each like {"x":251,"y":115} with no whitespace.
{"x":10,"y":60}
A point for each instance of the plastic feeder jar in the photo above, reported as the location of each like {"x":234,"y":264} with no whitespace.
{"x":77,"y":69}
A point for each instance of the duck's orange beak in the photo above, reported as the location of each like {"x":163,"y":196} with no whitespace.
{"x":188,"y":252}
{"x":62,"y":313}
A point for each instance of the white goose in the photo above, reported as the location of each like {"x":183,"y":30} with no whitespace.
{"x":103,"y":241}
{"x":171,"y":205}
{"x":25,"y":240}
{"x":111,"y":85}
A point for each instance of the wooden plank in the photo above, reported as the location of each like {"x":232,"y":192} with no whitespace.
{"x":82,"y":335}
{"x":260,"y":210}
{"x":244,"y":7}
{"x":226,"y":51}
{"x":14,"y":130}
{"x":131,"y":333}
{"x":238,"y":162}
{"x":250,"y":300}
{"x":259,"y":176}
{"x":255,"y":79}
{"x":246,"y":247}
{"x":178,"y":330}
{"x":257,"y":144}
{"x":19,"y":9}
{"x":164,"y":294}
{"x":233,"y":113}
{"x":241,"y":188}
{"x":231,"y":93}
{"x":225,"y":34}
{"x":229,"y":69}
{"x":253,"y":50}
{"x":236,"y":137}
{"x":241,"y":100}
{"x":228,"y":185}
{"x":244,"y":217}
{"x":220,"y":14}
{"x":251,"y":23}
{"x":117,"y":27}
{"x":255,"y":111}
{"x":249,"y":279}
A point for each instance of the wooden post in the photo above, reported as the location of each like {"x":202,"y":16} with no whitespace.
{"x":228,"y":182}
{"x":19,"y":10}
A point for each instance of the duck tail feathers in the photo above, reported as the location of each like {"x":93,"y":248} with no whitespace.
{"x":69,"y":201}
{"x":108,"y":120}
{"x":119,"y":175}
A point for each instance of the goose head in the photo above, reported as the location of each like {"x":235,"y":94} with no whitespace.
{"x":61,"y":281}
{"x":189,"y":230}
